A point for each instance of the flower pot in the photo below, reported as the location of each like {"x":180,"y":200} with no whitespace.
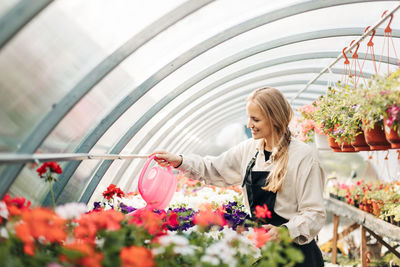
{"x":376,"y":138}
{"x":360,"y":144}
{"x":321,"y":142}
{"x":392,"y":137}
{"x":333,"y":145}
{"x":346,"y":147}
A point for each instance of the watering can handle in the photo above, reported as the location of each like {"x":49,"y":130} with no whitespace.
{"x":144,"y":171}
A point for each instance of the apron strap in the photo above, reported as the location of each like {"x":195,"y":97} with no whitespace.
{"x":249,"y":167}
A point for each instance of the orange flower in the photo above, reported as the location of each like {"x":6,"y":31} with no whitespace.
{"x":206,"y":216}
{"x":40,"y":223}
{"x":151,"y":221}
{"x":89,"y":224}
{"x":136,"y":257}
{"x":88,"y":257}
{"x":260,"y":237}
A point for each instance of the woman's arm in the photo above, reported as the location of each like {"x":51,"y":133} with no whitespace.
{"x":309,"y":220}
{"x":223,"y":170}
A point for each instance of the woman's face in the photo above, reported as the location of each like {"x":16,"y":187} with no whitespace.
{"x":258,"y":123}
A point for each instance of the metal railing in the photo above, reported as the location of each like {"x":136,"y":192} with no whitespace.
{"x":8,"y":158}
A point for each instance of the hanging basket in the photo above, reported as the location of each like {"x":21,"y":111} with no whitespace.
{"x":360,"y":144}
{"x":392,"y":137}
{"x":376,"y":138}
{"x":321,"y":142}
{"x":333,"y":145}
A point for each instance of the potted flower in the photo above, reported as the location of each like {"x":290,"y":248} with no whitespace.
{"x":379,"y":98}
{"x":333,"y":116}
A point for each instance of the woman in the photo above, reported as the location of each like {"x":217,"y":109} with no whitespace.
{"x":273,"y":168}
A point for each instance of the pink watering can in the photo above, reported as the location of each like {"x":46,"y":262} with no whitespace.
{"x":158,"y":186}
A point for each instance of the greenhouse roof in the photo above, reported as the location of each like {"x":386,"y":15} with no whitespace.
{"x":130,"y":77}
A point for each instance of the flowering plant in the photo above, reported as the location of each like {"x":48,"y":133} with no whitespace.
{"x":43,"y":237}
{"x":48,"y":171}
{"x":381,"y":100}
{"x":306,"y":122}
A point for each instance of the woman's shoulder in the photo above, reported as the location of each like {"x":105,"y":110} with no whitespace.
{"x":300,"y":151}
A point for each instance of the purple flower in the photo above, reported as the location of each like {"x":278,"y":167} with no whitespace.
{"x":126,"y":209}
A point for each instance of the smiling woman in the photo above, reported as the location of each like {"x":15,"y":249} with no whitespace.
{"x":273,"y":168}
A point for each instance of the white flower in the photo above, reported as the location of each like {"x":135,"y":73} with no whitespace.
{"x":4,"y":232}
{"x":71,"y":210}
{"x":187,"y":250}
{"x":3,"y":210}
{"x":173,"y":239}
{"x":210,"y":259}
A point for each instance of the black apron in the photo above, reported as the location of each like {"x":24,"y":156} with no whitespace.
{"x":253,"y":181}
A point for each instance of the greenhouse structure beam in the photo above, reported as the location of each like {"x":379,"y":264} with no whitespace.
{"x":51,"y":120}
{"x":348,"y":49}
{"x":17,"y":17}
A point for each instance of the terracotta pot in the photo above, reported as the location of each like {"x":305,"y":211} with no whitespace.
{"x":334,"y":146}
{"x":392,"y":137}
{"x":376,"y":138}
{"x":360,"y":144}
{"x":346,"y":147}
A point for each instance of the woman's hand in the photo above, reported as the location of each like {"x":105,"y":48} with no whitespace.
{"x":165,"y":159}
{"x":273,"y":231}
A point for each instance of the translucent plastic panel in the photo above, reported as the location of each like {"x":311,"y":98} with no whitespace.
{"x":69,"y":47}
{"x":6,"y":5}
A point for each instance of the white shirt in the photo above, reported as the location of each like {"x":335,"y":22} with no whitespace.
{"x":300,"y":199}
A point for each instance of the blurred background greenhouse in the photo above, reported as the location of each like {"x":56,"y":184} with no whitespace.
{"x":83,"y":80}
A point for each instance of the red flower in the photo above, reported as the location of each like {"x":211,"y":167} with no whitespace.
{"x":113,"y":190}
{"x":16,"y":205}
{"x":52,"y":166}
{"x":262,"y":212}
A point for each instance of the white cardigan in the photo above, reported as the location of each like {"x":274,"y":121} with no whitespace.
{"x":300,"y":199}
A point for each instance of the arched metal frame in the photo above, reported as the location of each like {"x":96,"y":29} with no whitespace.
{"x":134,"y":129}
{"x":314,"y":5}
{"x":18,"y":16}
{"x":92,"y":138}
{"x":51,"y":120}
{"x":158,"y":106}
{"x":87,"y":144}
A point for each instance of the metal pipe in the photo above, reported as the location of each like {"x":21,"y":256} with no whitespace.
{"x":11,"y":158}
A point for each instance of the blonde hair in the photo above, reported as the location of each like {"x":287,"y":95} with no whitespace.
{"x":279,"y":113}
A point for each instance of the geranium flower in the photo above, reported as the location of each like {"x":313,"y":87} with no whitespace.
{"x":262,"y":212}
{"x":260,"y":237}
{"x":88,"y":256}
{"x":51,"y":166}
{"x":206,"y":216}
{"x":134,"y":256}
{"x":40,"y":224}
{"x":112,"y":190}
{"x":16,"y":206}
